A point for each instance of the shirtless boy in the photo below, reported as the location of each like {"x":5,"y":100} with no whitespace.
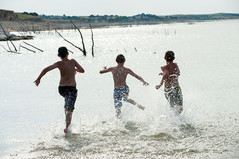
{"x":172,"y":90}
{"x":121,"y":90}
{"x":67,"y":85}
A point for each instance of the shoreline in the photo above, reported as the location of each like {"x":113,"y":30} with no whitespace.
{"x":25,"y":26}
{"x":50,"y":25}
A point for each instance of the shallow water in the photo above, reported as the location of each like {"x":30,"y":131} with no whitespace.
{"x":32,"y":118}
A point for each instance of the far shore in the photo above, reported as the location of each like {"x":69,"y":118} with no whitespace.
{"x":25,"y":26}
{"x":49,"y":25}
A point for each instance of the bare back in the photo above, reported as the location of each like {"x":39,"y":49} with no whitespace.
{"x":67,"y":71}
{"x":172,"y":73}
{"x":119,"y":75}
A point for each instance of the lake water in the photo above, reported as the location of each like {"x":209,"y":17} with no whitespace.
{"x":32,"y":118}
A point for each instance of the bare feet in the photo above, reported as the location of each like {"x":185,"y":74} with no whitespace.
{"x":140,"y":107}
{"x":118,"y":113}
{"x":67,"y":132}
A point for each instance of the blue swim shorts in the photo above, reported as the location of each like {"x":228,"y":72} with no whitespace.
{"x":70,"y":94}
{"x":120,"y":94}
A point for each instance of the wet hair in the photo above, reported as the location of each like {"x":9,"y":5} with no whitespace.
{"x":120,"y":58}
{"x":169,"y":56}
{"x":62,"y":52}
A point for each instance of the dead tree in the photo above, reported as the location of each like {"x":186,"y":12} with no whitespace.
{"x":83,"y":50}
{"x":8,"y":38}
{"x":82,"y":39}
{"x":93,"y":43}
{"x":70,"y":42}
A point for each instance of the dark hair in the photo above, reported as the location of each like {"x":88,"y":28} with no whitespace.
{"x":169,"y":56}
{"x":120,"y":58}
{"x":62,"y":52}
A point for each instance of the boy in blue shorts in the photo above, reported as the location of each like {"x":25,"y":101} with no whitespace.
{"x":121,"y":90}
{"x":172,"y":89}
{"x":67,"y":85}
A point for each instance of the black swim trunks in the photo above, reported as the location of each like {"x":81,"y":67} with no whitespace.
{"x":70,"y":94}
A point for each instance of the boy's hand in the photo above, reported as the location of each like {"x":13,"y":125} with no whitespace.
{"x":146,"y":84}
{"x":76,"y":70}
{"x":37,"y":82}
{"x":158,"y":86}
{"x":161,"y":73}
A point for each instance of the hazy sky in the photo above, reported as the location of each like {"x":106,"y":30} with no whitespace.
{"x":121,"y":7}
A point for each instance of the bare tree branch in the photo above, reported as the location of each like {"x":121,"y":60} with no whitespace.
{"x":69,"y":42}
{"x":33,"y":46}
{"x":28,"y":49}
{"x":82,"y":40}
{"x":93,"y":43}
{"x":8,"y":38}
{"x":10,"y":50}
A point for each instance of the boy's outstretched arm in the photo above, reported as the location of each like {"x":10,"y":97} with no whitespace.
{"x":161,"y":83}
{"x":164,"y":74}
{"x":105,"y":70}
{"x":44,"y":71}
{"x":138,"y":77}
{"x":78,"y":67}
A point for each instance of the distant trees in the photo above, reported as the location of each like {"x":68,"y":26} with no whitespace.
{"x":32,"y":14}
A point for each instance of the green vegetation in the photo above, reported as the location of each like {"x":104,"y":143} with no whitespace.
{"x":143,"y":18}
{"x":28,"y":16}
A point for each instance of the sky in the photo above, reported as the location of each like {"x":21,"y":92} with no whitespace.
{"x":121,"y":7}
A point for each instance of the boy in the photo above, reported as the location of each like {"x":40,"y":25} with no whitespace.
{"x":172,"y":89}
{"x":67,"y":85}
{"x":121,"y":90}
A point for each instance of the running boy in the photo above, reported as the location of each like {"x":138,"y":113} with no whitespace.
{"x":121,"y":90}
{"x":172,"y":89}
{"x":67,"y":85}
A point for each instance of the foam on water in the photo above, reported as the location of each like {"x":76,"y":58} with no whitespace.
{"x":207,"y":128}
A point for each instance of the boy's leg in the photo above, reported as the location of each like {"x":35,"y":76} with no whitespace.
{"x":178,"y":109}
{"x":118,"y":112}
{"x":178,"y":101}
{"x":131,"y":101}
{"x":70,"y":99}
{"x":68,"y":118}
{"x":117,"y":102}
{"x":68,"y":114}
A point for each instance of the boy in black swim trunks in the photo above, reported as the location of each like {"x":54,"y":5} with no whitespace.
{"x":121,"y":90}
{"x":172,"y":89}
{"x":67,"y":86}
